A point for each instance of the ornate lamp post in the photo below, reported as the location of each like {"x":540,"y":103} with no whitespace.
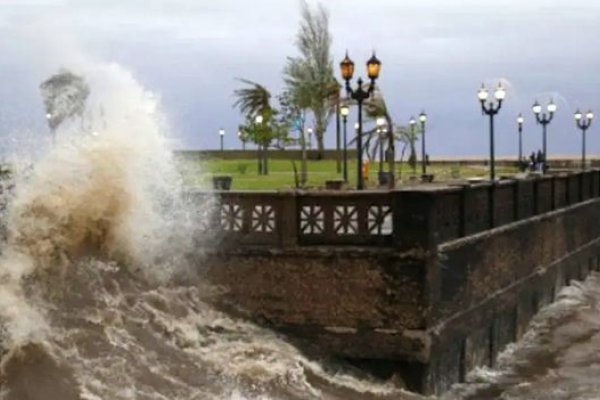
{"x":360,"y":94}
{"x":520,"y":121}
{"x":222,"y":135}
{"x":491,"y":109}
{"x":583,"y":123}
{"x":344,"y":111}
{"x":423,"y":120}
{"x":544,"y":119}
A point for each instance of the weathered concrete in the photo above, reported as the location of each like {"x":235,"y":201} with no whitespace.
{"x":485,"y":256}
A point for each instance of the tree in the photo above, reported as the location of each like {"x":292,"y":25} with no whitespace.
{"x":309,"y":77}
{"x":295,"y":119}
{"x":376,"y":107}
{"x":255,"y":101}
{"x":64,"y":96}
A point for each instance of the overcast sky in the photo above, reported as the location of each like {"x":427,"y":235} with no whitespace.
{"x":435,"y":54}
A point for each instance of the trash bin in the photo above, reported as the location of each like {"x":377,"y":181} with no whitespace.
{"x":384,"y":178}
{"x":427,"y":178}
{"x":335,"y":184}
{"x":222,"y":182}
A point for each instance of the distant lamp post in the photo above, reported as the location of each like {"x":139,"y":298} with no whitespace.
{"x":544,"y":119}
{"x":344,"y":111}
{"x":261,"y":164}
{"x":520,"y":121}
{"x":222,"y":135}
{"x":360,"y":94}
{"x":310,"y":133}
{"x":423,"y":120}
{"x":583,"y":123}
{"x":490,"y":108}
{"x":52,"y":128}
{"x":412,"y":123}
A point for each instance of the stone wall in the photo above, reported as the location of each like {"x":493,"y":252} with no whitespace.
{"x":341,"y":297}
{"x":402,"y":278}
{"x":498,"y":279}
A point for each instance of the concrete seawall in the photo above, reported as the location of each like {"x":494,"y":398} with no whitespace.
{"x":458,"y":276}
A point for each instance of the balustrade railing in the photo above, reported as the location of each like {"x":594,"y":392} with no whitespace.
{"x":376,"y":218}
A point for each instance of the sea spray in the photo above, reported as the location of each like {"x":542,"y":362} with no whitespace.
{"x":113,"y":194}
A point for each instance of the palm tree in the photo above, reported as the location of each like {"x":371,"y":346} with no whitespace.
{"x":375,"y":107}
{"x":310,"y":76}
{"x":254,"y":101}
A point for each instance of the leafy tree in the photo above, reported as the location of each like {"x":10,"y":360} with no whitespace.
{"x":309,"y":77}
{"x":252,"y":100}
{"x":294,"y":117}
{"x":64,"y":96}
{"x":273,"y":130}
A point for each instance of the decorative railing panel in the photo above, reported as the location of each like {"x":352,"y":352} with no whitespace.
{"x":249,"y":219}
{"x":345,"y":218}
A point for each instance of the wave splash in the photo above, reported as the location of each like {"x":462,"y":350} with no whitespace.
{"x":92,"y":304}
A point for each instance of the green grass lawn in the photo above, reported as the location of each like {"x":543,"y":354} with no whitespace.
{"x":281,"y":174}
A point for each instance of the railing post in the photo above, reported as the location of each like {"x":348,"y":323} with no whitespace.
{"x":288,"y":218}
{"x":416,"y":233}
{"x":492,"y":204}
{"x":581,"y":186}
{"x":536,"y":193}
{"x":552,"y":193}
{"x":462,"y":212}
{"x":415,"y":219}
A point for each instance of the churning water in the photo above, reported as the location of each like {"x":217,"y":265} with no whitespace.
{"x":99,"y":298}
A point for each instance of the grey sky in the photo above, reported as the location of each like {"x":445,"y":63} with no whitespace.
{"x":435,"y":54}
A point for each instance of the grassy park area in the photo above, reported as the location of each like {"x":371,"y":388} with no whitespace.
{"x":281,"y":173}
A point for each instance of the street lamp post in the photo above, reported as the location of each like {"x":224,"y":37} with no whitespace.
{"x":222,"y":135}
{"x":520,"y":121}
{"x":52,"y":127}
{"x":544,"y":119}
{"x":491,"y":109}
{"x":423,"y":120}
{"x":360,"y":94}
{"x":259,"y":120}
{"x":310,"y":132}
{"x":344,"y":111}
{"x":583,"y":123}
{"x":413,"y":157}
